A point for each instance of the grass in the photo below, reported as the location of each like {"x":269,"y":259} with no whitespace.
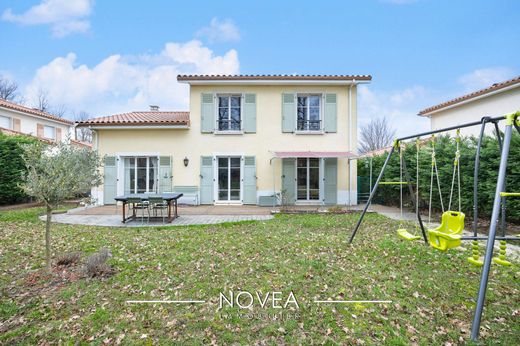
{"x":433,"y":293}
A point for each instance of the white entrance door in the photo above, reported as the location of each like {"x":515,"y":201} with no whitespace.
{"x":308,"y":179}
{"x":141,"y":175}
{"x":229,"y":179}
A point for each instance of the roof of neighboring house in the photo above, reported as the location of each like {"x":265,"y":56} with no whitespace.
{"x":270,"y":77}
{"x":376,"y":152}
{"x":140,"y":119}
{"x":491,"y":89}
{"x":10,"y":132}
{"x":32,"y":111}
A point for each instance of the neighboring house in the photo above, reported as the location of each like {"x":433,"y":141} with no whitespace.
{"x":18,"y":119}
{"x":245,"y":138}
{"x":498,"y":99}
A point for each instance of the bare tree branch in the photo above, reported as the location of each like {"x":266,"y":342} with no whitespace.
{"x":8,"y":89}
{"x":83,"y":134}
{"x":375,"y":135}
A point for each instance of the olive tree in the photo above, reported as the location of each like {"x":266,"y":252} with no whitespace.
{"x":58,"y":172}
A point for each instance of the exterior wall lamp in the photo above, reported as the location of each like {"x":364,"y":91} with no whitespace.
{"x":186,"y":161}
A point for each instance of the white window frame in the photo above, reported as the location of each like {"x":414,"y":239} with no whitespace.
{"x":321,"y":110}
{"x":10,"y":120}
{"x":156,"y":189}
{"x":230,"y":94}
{"x":216,"y":156}
{"x":321,"y":185}
{"x":49,"y":127}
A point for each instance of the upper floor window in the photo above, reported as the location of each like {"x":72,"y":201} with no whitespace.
{"x":229,"y":113}
{"x":5,"y":122}
{"x":309,"y":113}
{"x":49,"y":132}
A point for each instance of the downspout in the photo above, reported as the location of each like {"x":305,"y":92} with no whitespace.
{"x":350,"y":139}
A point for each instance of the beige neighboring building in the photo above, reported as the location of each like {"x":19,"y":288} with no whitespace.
{"x":498,"y":99}
{"x":17,"y":119}
{"x":244,"y":139}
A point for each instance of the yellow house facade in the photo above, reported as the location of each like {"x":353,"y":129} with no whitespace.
{"x":245,"y":140}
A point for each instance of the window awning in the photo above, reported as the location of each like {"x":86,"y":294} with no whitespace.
{"x":317,"y":154}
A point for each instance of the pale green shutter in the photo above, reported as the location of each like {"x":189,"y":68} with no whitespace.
{"x":207,"y":113}
{"x":110,"y":180}
{"x":249,"y":184}
{"x":206,"y":180}
{"x":330,"y":118}
{"x":289,"y":180}
{"x":331,"y":181}
{"x":249,"y":116}
{"x":165,"y":174}
{"x":288,"y":112}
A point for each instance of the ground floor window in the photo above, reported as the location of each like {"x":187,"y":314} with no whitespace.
{"x":141,"y":174}
{"x":229,"y":179}
{"x":308,"y":179}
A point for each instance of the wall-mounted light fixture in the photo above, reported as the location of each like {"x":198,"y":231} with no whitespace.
{"x":186,"y":161}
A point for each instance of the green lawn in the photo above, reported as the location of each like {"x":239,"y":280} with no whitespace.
{"x":433,"y":293}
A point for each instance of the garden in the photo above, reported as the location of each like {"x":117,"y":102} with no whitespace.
{"x":431,"y":294}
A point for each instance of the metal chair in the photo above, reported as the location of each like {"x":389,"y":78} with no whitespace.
{"x":138,"y":204}
{"x":158,"y":203}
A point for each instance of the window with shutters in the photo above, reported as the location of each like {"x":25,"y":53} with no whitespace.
{"x":5,"y":122}
{"x":229,"y":112}
{"x":49,"y":132}
{"x":308,"y":112}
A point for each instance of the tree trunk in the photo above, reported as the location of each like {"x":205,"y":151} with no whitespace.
{"x":48,"y":238}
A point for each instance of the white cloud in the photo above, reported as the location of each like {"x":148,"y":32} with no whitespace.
{"x":485,"y":77}
{"x":126,"y":83}
{"x":399,"y":107}
{"x":220,"y":31}
{"x":65,"y":16}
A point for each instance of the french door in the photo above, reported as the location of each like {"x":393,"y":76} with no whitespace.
{"x":229,"y":179}
{"x":141,"y":174}
{"x":308,"y":179}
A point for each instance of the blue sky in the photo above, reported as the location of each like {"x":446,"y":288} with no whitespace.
{"x":106,"y":57}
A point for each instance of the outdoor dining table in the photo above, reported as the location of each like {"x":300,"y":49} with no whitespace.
{"x":170,"y":198}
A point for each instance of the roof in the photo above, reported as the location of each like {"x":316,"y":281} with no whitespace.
{"x":269,"y":78}
{"x":32,"y":111}
{"x":376,"y":152}
{"x":317,"y":154}
{"x":9,"y":132}
{"x":140,"y":119}
{"x":483,"y":92}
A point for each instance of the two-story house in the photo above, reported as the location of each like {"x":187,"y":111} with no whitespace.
{"x":245,"y":139}
{"x":16,"y":119}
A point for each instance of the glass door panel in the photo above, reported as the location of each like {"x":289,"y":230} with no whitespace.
{"x":229,"y":179}
{"x":308,"y":179}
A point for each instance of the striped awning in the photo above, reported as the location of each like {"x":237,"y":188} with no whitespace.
{"x":316,"y":154}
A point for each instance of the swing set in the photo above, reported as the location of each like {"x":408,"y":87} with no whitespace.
{"x":449,"y":234}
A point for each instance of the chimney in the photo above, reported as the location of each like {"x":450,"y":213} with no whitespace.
{"x":154,"y":108}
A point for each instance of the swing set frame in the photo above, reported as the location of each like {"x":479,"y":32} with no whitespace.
{"x":499,"y":203}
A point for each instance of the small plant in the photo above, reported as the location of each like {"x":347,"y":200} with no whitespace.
{"x":68,"y":259}
{"x":96,"y":265}
{"x":283,"y":198}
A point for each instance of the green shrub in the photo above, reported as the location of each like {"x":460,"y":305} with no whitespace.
{"x":445,"y":153}
{"x":11,"y":168}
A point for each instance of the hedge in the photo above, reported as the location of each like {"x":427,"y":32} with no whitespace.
{"x":11,"y":168}
{"x":445,"y":154}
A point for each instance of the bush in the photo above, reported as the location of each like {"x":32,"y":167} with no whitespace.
{"x":445,"y":153}
{"x":96,"y":265}
{"x":12,"y":168}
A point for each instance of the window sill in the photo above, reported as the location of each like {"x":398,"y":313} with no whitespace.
{"x":309,"y":132}
{"x":234,"y":132}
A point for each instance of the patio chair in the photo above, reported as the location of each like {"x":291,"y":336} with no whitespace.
{"x":158,"y":204}
{"x":136,"y":203}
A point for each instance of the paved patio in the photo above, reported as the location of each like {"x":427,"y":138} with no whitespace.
{"x":111,"y":215}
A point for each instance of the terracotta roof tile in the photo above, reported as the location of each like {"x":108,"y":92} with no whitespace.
{"x":273,"y":77}
{"x":494,"y":87}
{"x":140,"y":118}
{"x":32,"y":111}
